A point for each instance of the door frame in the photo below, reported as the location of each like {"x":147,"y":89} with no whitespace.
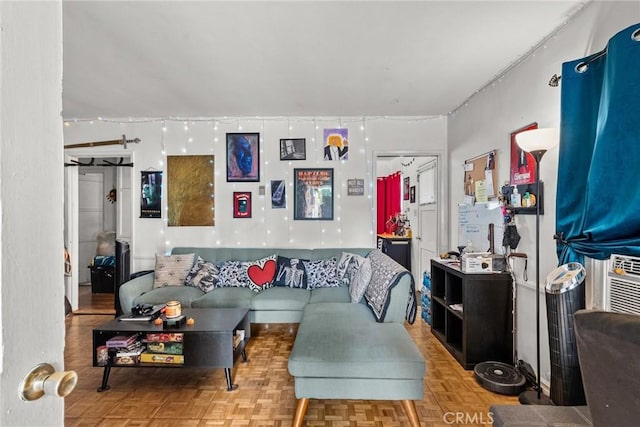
{"x":72,"y":211}
{"x":442,"y":238}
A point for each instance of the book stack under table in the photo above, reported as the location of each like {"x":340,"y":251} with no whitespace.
{"x":163,"y":348}
{"x":125,"y":349}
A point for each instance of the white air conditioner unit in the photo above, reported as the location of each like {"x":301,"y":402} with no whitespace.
{"x":623,"y":285}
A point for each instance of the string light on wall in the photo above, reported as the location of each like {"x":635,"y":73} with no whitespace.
{"x":184,"y":135}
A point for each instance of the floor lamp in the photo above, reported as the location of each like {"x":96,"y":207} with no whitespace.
{"x":537,"y":142}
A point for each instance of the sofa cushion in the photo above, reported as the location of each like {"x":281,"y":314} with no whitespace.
{"x":203,"y":275}
{"x":280,"y":298}
{"x":261,"y":272}
{"x":339,"y":294}
{"x":185,"y":294}
{"x":338,"y":340}
{"x":347,"y":262}
{"x":322,"y":273}
{"x":359,"y":277}
{"x":290,"y":272}
{"x":225,"y":298}
{"x":233,"y":273}
{"x":171,"y":270}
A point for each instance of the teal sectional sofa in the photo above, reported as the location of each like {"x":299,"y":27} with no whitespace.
{"x":342,"y":350}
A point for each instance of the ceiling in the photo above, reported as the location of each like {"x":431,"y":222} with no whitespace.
{"x":295,"y":58}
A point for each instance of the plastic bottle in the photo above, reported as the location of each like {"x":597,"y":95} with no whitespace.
{"x":516,"y":201}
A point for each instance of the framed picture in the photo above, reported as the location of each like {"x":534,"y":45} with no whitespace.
{"x":293,"y":149}
{"x":278,"y":194}
{"x":313,"y":194}
{"x":336,"y":144}
{"x":243,"y":157}
{"x":523,"y":164}
{"x":150,"y":194}
{"x":242,"y":204}
{"x":412,"y":194}
{"x":190,"y":191}
{"x":405,"y":192}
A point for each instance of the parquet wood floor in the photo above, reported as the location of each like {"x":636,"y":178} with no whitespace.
{"x":198,"y":397}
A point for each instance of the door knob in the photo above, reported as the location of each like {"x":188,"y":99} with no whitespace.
{"x":43,"y":379}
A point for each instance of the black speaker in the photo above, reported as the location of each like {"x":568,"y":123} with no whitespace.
{"x":565,"y":294}
{"x":123,"y":271}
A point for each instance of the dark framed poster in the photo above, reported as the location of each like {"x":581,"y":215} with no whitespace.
{"x":412,"y":194}
{"x":523,"y":164}
{"x":293,"y":149}
{"x":151,"y":194}
{"x":405,"y":191}
{"x":313,"y":194}
{"x":278,"y":194}
{"x":243,"y":157}
{"x":242,"y":204}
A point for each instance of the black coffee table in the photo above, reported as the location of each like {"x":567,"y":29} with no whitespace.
{"x":206,"y":344}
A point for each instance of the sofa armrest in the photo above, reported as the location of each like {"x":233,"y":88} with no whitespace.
{"x":132,"y":289}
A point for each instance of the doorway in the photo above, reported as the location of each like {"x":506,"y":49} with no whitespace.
{"x":97,"y":203}
{"x":426,"y":205}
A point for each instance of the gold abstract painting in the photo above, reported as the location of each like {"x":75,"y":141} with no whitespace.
{"x":190,"y":191}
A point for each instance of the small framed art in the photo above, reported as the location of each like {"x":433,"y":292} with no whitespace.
{"x":412,"y":194}
{"x":243,"y":157}
{"x":293,"y":149}
{"x":405,"y":192}
{"x":313,"y":194}
{"x":242,"y":204}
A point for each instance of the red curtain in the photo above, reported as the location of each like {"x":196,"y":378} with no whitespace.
{"x":389,"y":190}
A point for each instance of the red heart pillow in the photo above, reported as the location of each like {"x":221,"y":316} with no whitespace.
{"x":260,"y":276}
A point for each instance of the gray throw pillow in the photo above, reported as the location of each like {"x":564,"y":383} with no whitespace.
{"x":360,"y":280}
{"x":171,"y":270}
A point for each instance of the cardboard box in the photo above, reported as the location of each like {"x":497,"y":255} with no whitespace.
{"x":127,"y":359}
{"x":164,"y":337}
{"x":169,"y":359}
{"x":477,"y":262}
{"x":165,"y":347}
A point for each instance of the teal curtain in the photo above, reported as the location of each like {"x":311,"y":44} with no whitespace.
{"x":598,"y":194}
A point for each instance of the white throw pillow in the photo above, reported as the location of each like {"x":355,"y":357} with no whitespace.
{"x":360,"y":280}
{"x":344,"y":267}
{"x":171,"y":270}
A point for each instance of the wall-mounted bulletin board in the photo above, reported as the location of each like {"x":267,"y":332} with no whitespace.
{"x":481,"y":176}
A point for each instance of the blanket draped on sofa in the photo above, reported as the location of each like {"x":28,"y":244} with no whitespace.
{"x":387,"y":275}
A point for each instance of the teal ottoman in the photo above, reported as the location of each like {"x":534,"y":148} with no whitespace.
{"x":341,"y":352}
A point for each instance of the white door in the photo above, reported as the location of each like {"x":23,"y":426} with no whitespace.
{"x":428,"y":223}
{"x":32,"y":325}
{"x":71,"y":229}
{"x":90,"y":219}
{"x":124,"y":222}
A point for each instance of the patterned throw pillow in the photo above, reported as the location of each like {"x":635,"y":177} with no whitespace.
{"x":260,"y":273}
{"x":171,"y":270}
{"x":346,"y":269}
{"x":233,"y":274}
{"x":290,"y":272}
{"x":322,"y":273}
{"x":360,"y":279}
{"x":203,"y":275}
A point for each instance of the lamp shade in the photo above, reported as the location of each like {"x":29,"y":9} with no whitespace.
{"x":538,"y":139}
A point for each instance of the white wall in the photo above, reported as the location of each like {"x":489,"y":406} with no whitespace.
{"x":521,"y":97}
{"x":353,"y":224}
{"x":31,"y":195}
